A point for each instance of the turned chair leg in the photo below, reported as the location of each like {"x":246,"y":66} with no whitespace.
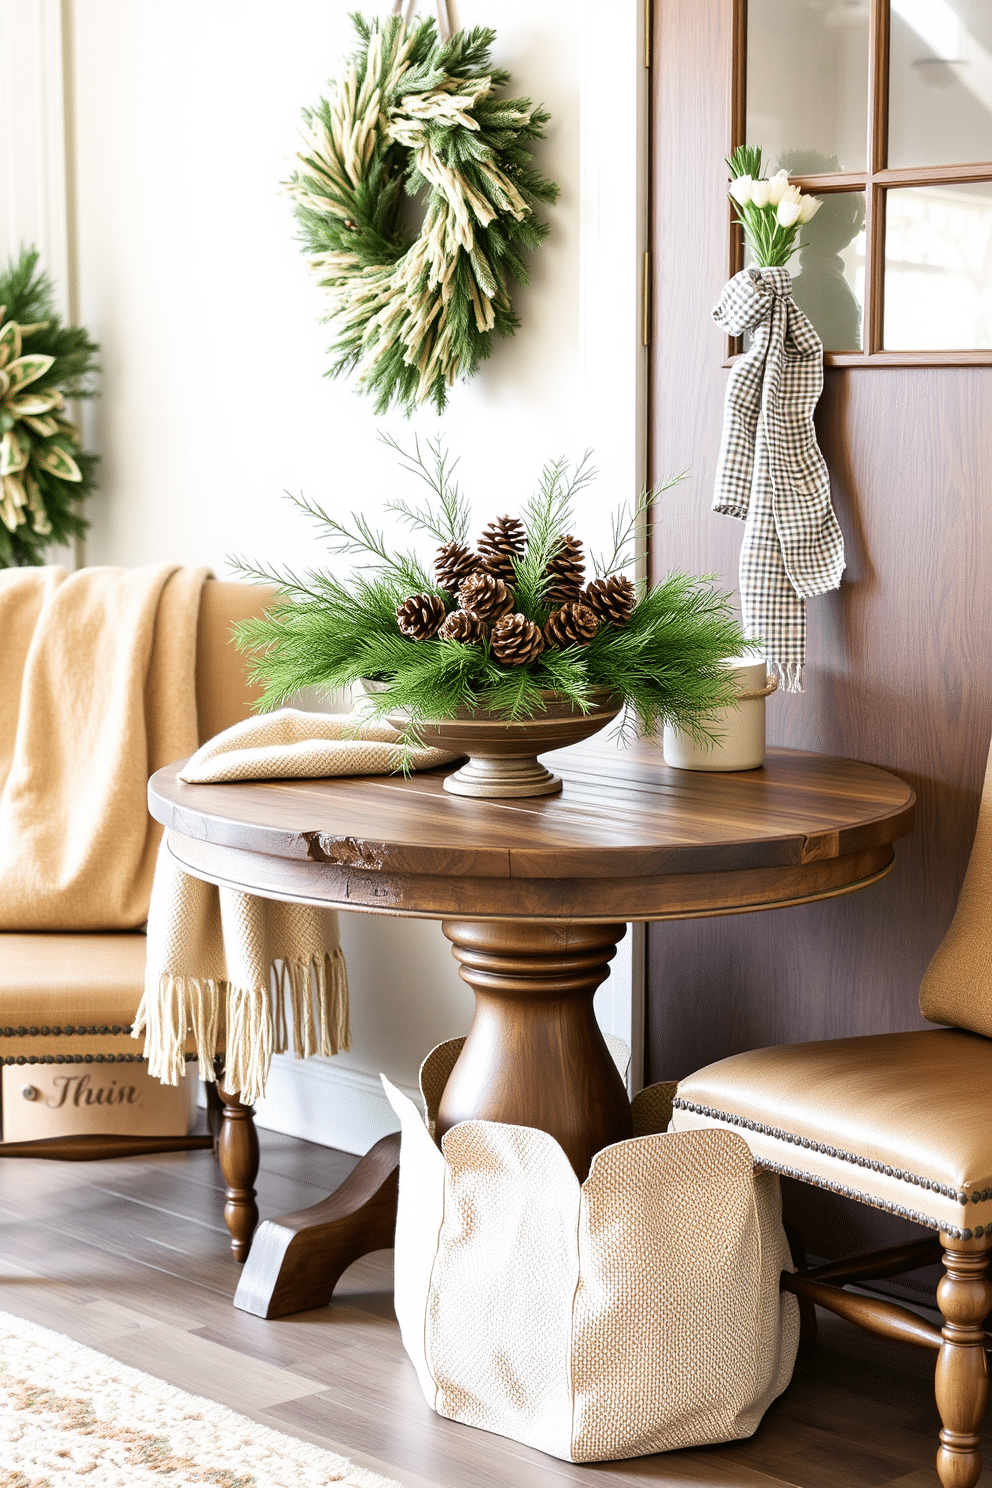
{"x":807,"y":1309}
{"x":237,"y":1149}
{"x":961,"y":1383}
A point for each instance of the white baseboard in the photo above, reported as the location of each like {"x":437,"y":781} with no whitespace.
{"x":325,"y":1102}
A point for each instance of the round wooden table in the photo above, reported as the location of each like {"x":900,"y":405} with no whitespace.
{"x":533,"y":895}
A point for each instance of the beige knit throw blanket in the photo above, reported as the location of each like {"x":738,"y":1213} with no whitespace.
{"x":96,"y":692}
{"x":213,"y":953}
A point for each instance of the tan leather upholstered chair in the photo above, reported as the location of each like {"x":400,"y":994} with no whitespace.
{"x":899,"y":1121}
{"x":70,"y":999}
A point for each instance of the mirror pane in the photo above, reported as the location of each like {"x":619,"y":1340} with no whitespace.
{"x":807,"y":81}
{"x":940,"y":82}
{"x":938,"y":268}
{"x":828,"y":270}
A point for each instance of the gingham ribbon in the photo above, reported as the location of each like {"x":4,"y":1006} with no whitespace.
{"x":771,"y":473}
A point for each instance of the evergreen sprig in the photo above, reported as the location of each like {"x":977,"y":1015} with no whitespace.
{"x":446,"y":514}
{"x":745,"y":161}
{"x":626,"y":525}
{"x":45,"y":476}
{"x":546,"y":516}
{"x":664,"y":663}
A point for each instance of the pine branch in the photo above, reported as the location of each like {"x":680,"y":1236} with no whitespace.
{"x":362,"y":539}
{"x":446,"y":515}
{"x":624,"y":530}
{"x":547,"y":516}
{"x":341,"y":538}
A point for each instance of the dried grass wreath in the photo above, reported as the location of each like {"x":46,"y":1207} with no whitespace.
{"x":415,"y":114}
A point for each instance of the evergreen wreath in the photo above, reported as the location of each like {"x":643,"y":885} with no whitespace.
{"x":44,"y":475}
{"x":416,"y":114}
{"x":457,"y":635}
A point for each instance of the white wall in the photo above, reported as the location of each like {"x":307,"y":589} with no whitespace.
{"x":33,"y":181}
{"x":184,"y":117}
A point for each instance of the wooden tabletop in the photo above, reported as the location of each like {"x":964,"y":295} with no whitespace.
{"x":628,"y":838}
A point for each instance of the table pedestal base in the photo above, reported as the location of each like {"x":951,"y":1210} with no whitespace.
{"x":533,"y":1057}
{"x":296,"y":1260}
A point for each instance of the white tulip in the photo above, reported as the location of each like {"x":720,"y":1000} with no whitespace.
{"x":787,"y":213}
{"x":740,"y":190}
{"x":777,"y":187}
{"x":761,"y":193}
{"x":792,"y":194}
{"x":808,"y":208}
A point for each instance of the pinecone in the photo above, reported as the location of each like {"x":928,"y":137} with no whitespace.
{"x":502,"y":541}
{"x":516,"y":640}
{"x":612,"y":599}
{"x":463,"y":627}
{"x":505,"y":535}
{"x":454,"y":563}
{"x":573,"y":625}
{"x":500,"y":565}
{"x":420,"y":616}
{"x":485,"y":597}
{"x":566,"y":571}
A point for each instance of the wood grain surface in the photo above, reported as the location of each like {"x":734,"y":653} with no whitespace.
{"x":897,"y":660}
{"x":628,"y":838}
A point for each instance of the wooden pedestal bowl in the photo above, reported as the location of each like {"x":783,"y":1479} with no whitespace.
{"x":502,"y":754}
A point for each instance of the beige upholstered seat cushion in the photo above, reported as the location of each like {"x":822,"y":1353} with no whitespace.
{"x":896,"y":1120}
{"x":67,"y":999}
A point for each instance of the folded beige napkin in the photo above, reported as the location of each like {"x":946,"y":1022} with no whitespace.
{"x":292,"y":744}
{"x":247,"y":976}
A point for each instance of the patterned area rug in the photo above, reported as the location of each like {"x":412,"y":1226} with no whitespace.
{"x":72,"y":1418}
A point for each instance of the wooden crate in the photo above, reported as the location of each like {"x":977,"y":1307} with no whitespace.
{"x":53,"y":1100}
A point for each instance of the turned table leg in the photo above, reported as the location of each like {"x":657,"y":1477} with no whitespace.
{"x":534,"y":1055}
{"x":237,"y":1149}
{"x":964,"y":1294}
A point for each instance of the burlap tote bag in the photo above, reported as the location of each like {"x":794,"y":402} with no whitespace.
{"x":637,"y":1312}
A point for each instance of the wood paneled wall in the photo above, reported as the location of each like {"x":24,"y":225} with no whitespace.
{"x":899,"y":661}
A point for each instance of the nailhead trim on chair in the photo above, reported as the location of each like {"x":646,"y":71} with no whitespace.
{"x":980,"y":1197}
{"x":67,"y":1031}
{"x":78,"y":1058}
{"x":928,"y":1220}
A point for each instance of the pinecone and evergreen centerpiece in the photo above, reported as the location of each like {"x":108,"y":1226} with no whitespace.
{"x":504,"y":649}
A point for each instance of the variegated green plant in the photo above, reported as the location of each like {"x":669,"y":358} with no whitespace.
{"x":44,"y":474}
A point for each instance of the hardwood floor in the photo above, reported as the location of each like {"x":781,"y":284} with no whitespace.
{"x":131,"y":1257}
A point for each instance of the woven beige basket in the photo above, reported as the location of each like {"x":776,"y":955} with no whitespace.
{"x":637,"y":1312}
